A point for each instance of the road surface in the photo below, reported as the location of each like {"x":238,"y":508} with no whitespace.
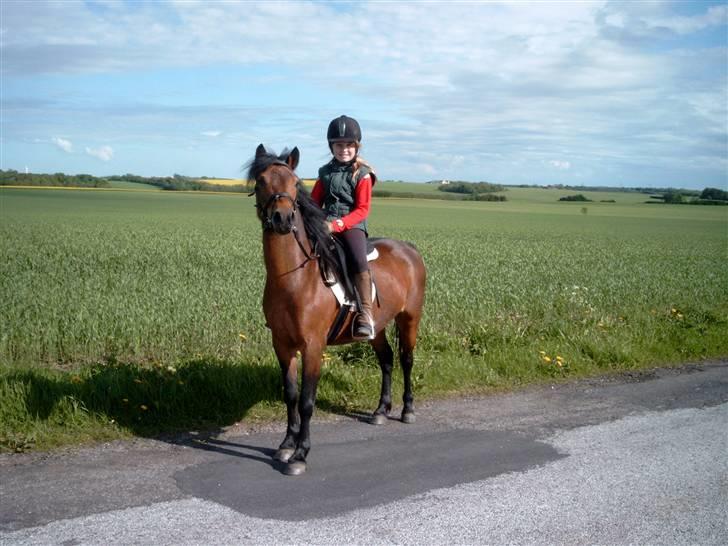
{"x":637,"y":459}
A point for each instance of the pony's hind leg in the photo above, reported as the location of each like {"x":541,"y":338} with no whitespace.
{"x":386,"y":358}
{"x":407,"y":328}
{"x":289,"y":365}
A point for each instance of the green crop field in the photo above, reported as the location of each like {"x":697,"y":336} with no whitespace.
{"x":138,"y":312}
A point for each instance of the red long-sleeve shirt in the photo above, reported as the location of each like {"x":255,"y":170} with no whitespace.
{"x":362,"y":203}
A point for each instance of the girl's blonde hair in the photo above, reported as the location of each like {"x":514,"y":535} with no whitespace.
{"x":360,"y":162}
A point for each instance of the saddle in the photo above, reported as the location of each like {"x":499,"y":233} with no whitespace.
{"x":341,"y":285}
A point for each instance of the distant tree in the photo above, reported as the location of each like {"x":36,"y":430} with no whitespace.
{"x":470,"y":187}
{"x":714,"y":194}
{"x":673,"y":197}
{"x":577,"y":197}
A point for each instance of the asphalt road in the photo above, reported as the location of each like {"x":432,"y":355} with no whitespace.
{"x":636,"y":459}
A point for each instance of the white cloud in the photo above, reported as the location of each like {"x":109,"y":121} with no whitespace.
{"x":63,"y":144}
{"x":211,"y":134}
{"x":104,"y":153}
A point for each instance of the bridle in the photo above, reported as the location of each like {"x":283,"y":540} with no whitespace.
{"x":266,"y":210}
{"x":266,"y":213}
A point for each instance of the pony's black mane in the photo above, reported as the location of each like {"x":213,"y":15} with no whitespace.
{"x":314,"y":218}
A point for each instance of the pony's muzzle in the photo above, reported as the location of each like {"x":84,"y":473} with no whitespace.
{"x":282,"y":220}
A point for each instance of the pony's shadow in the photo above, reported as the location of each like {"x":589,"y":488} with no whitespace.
{"x":232,"y":449}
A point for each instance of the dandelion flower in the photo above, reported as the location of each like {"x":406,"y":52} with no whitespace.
{"x":559,"y":359}
{"x":143,"y":407}
{"x":171,"y":369}
{"x":125,"y":400}
{"x":546,"y":358}
{"x":242,"y":336}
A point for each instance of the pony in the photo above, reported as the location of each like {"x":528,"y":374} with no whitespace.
{"x":300,"y":309}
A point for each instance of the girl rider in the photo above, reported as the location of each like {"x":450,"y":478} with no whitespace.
{"x":344,"y":191}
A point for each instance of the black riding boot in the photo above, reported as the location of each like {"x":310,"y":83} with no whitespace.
{"x":364,"y":323}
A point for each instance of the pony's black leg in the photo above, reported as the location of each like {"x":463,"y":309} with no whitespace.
{"x":406,"y":358}
{"x":289,"y":365}
{"x":386,"y":359}
{"x":407,"y":328}
{"x":306,"y":403}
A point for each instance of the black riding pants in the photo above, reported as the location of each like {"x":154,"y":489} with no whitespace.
{"x":355,"y":246}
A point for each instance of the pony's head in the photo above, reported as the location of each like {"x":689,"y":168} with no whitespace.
{"x":276,"y":187}
{"x":279,"y":193}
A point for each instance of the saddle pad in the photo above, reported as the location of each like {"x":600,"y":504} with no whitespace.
{"x":341,"y":297}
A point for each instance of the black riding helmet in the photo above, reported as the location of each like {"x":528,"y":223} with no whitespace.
{"x":343,"y":129}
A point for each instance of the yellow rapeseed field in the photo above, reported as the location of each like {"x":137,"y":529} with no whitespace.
{"x":308,"y":182}
{"x":223,"y":181}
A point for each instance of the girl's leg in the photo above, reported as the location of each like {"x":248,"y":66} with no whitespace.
{"x":355,"y":243}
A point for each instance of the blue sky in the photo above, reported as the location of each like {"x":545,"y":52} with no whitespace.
{"x":579,"y":93}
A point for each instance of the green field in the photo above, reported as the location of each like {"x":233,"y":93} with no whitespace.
{"x":137,"y":312}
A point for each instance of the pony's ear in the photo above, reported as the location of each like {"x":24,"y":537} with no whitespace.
{"x":292,"y":159}
{"x":260,"y":150}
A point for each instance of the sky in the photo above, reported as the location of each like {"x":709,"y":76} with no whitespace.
{"x":631,"y":94}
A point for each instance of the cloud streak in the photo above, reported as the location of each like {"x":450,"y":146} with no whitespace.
{"x":104,"y":153}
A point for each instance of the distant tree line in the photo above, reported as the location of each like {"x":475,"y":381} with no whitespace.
{"x":577,"y":197}
{"x":177,"y":183}
{"x":15,"y":178}
{"x":709,"y":196}
{"x":472,"y":188}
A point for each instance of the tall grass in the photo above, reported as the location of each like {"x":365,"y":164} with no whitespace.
{"x":139,"y":312}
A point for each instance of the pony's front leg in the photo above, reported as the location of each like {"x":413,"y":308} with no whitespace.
{"x":289,"y":365}
{"x":311,"y":374}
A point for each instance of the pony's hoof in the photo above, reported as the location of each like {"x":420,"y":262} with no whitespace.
{"x":283,"y":455}
{"x":295,"y":468}
{"x":408,"y":418}
{"x":378,"y":419}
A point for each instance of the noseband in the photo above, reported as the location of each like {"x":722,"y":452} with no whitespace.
{"x":266,"y":210}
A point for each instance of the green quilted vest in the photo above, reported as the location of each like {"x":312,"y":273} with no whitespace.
{"x":339,"y":185}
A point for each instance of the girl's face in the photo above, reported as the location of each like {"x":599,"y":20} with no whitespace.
{"x":344,"y":151}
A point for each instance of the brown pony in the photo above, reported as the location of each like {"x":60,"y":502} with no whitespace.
{"x":299,"y":308}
